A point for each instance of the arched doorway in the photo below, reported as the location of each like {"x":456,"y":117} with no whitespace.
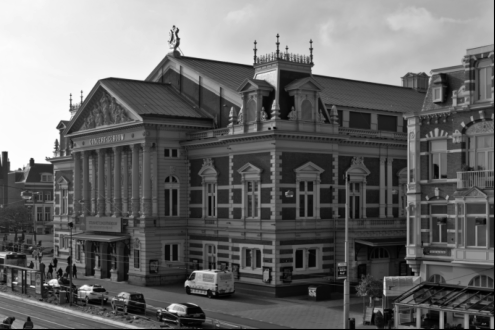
{"x":380,"y":263}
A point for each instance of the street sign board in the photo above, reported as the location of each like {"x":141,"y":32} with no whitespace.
{"x":342,"y":271}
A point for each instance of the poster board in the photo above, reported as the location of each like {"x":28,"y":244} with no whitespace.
{"x":368,"y":315}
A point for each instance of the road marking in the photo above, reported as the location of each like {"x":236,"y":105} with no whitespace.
{"x":34,"y":317}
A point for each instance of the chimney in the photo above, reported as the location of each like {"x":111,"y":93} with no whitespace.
{"x":31,"y":162}
{"x":417,"y":81}
{"x":5,"y":169}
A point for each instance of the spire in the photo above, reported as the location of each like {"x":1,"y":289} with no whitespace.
{"x":278,"y":46}
{"x":81,"y":97}
{"x":255,"y":51}
{"x":311,"y":51}
{"x":70,"y":102}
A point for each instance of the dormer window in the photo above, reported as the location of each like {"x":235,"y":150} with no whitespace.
{"x":46,"y":178}
{"x":484,"y":80}
{"x":439,"y":88}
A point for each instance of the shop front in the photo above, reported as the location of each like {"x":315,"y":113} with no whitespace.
{"x":104,"y":248}
{"x":428,"y":305}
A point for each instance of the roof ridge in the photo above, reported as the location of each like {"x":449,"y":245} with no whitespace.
{"x":365,"y":82}
{"x":136,"y":80}
{"x":216,"y":61}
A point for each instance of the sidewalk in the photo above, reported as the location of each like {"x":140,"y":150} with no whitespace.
{"x":18,"y":324}
{"x":297,"y":312}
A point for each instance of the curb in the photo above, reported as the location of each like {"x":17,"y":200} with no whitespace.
{"x":68,"y":311}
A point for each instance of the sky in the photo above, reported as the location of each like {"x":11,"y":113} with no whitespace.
{"x":51,"y":48}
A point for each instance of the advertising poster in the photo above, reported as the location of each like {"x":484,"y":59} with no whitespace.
{"x":38,"y":283}
{"x":235,"y":271}
{"x":342,"y":271}
{"x":9,"y":277}
{"x":154,"y":265}
{"x":286,"y":275}
{"x":267,"y":275}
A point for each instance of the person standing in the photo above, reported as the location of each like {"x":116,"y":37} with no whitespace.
{"x":43,"y":269}
{"x":60,"y":272}
{"x":67,"y":270}
{"x":35,"y":256}
{"x":31,"y":265}
{"x":74,"y":271}
{"x":55,"y":262}
{"x":28,"y":324}
{"x":50,"y":271}
{"x":40,"y":255}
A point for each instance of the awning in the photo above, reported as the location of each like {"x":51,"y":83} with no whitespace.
{"x":449,"y":298}
{"x":99,"y":238}
{"x":382,"y":241}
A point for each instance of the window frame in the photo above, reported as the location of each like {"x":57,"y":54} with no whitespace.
{"x":431,"y":160}
{"x":250,"y":174}
{"x":39,"y":215}
{"x":305,"y":255}
{"x":308,"y":172}
{"x":64,"y":201}
{"x":47,"y":215}
{"x":435,"y":278}
{"x":474,"y":150}
{"x":480,"y":67}
{"x":256,"y":258}
{"x":171,"y":187}
{"x":210,"y":178}
{"x":210,"y":257}
{"x":171,"y":246}
{"x":434,"y":222}
{"x":353,"y":195}
{"x":171,"y":152}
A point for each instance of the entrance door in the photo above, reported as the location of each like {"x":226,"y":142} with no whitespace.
{"x":126,"y":262}
{"x":362,"y":271}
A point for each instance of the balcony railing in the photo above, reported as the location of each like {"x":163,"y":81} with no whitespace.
{"x":373,"y":134}
{"x":479,"y":179}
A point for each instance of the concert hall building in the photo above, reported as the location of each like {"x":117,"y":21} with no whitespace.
{"x":207,"y":164}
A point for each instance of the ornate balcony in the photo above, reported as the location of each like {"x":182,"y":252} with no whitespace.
{"x":479,"y":179}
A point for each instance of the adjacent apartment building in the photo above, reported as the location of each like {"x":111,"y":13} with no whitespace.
{"x":208,"y":164}
{"x":450,"y":239}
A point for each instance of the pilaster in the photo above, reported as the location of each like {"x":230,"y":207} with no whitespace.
{"x":146,"y":173}
{"x":390,"y":196}
{"x":86,"y":184}
{"x":101,"y":182}
{"x":382,"y":187}
{"x":135,"y":181}
{"x":117,"y":181}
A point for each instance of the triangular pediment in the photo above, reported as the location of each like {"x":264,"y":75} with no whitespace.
{"x":249,"y":169}
{"x":309,"y":167}
{"x":358,"y":167}
{"x":471,"y":193}
{"x":254,"y":85}
{"x":307,"y":84}
{"x":101,"y":109}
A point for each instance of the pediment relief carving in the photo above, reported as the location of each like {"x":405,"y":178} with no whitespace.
{"x":358,"y":167}
{"x":106,"y":111}
{"x":480,"y":128}
{"x":309,"y":167}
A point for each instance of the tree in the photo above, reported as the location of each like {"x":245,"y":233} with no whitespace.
{"x":369,"y":287}
{"x":16,"y":218}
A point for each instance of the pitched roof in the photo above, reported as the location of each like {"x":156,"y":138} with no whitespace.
{"x":33,"y":173}
{"x":366,"y":95}
{"x":148,"y":98}
{"x":454,"y":81}
{"x":229,"y":74}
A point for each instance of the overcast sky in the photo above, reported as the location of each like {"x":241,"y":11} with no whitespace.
{"x":51,"y":48}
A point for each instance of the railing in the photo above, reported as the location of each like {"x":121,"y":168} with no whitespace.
{"x":208,"y":134}
{"x":373,"y":134}
{"x":479,"y":179}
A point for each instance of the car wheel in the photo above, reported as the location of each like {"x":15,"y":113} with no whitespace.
{"x":125,"y":309}
{"x":188,"y":290}
{"x":209,"y":294}
{"x":86,"y":300}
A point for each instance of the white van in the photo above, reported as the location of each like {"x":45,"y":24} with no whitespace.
{"x":211,"y":283}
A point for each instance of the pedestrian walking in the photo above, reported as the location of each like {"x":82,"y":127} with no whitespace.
{"x":69,"y":260}
{"x":49,"y":274}
{"x":60,"y":272}
{"x":55,"y":262}
{"x":28,"y":324}
{"x":40,"y":255}
{"x":67,"y":269}
{"x":31,"y":265}
{"x":43,"y":269}
{"x":74,"y":271}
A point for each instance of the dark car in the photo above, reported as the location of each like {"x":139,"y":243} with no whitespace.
{"x":129,"y":301}
{"x":183,"y":313}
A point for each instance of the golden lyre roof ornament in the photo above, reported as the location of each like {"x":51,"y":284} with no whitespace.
{"x":174,"y":40}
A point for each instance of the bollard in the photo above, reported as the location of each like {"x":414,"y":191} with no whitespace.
{"x":352,"y":323}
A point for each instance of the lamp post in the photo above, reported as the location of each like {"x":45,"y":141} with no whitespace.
{"x":71,"y":225}
{"x":29,"y":195}
{"x":346,"y":244}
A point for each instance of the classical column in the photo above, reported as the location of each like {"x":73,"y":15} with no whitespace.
{"x":382,"y":187}
{"x":105,"y":258}
{"x":442,"y":320}
{"x":155,"y":182}
{"x":77,"y":182}
{"x":125,"y":194}
{"x":146,"y":180}
{"x":418,"y":318}
{"x":363,"y":201}
{"x":89,"y":258}
{"x":108,"y":183}
{"x":466,"y":321}
{"x":101,"y":182}
{"x":135,"y":181}
{"x":86,"y":184}
{"x":390,"y":187}
{"x":94,"y":194}
{"x":117,"y":182}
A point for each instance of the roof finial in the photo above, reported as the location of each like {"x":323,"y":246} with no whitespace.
{"x":255,"y":50}
{"x":278,"y":45}
{"x":81,"y":96}
{"x":70,"y":102}
{"x":311,"y":50}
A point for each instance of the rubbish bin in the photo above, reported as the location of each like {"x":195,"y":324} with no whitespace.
{"x":319,"y":292}
{"x":62,"y":297}
{"x":352,"y":323}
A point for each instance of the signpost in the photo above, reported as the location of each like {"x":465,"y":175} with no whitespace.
{"x":342,"y":270}
{"x":104,"y":224}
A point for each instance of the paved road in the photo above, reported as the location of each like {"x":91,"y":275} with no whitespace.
{"x":47,"y":318}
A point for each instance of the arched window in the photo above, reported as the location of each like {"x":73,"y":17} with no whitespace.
{"x":380,"y":253}
{"x":171,"y":196}
{"x":306,"y":111}
{"x":482,"y":281}
{"x":251,"y":111}
{"x":484,"y":80}
{"x":436,"y":279}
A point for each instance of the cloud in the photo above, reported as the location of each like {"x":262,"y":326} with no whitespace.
{"x":326,"y":31}
{"x":418,"y":20}
{"x":241,"y":15}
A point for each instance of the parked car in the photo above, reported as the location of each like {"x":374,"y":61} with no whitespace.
{"x":129,"y":301}
{"x":211,"y":283}
{"x":183,"y":313}
{"x":90,"y":293}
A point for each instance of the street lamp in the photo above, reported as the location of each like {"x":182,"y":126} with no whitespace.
{"x":71,"y":225}
{"x":346,"y":281}
{"x":29,"y":195}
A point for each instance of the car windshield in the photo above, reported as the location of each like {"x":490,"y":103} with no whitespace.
{"x":137,"y":297}
{"x":194,"y":310}
{"x":99,"y":290}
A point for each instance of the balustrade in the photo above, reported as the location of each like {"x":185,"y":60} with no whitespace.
{"x":479,"y":179}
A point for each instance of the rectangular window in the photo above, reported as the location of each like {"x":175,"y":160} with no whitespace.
{"x":359,"y":120}
{"x":39,"y":213}
{"x":355,"y":201}
{"x":253,"y":258}
{"x":306,"y":199}
{"x":460,"y":231}
{"x":387,"y":123}
{"x":248,"y":257}
{"x":312,"y":258}
{"x":136,"y":259}
{"x":438,"y":223}
{"x":258,"y":258}
{"x":252,"y":199}
{"x":211,"y":256}
{"x":476,"y":233}
{"x":341,"y":118}
{"x":299,"y":259}
{"x":438,"y":159}
{"x":485,"y":83}
{"x":171,"y":202}
{"x":211,"y":204}
{"x":412,"y":161}
{"x":172,"y":252}
{"x":171,"y":153}
{"x":48,"y":214}
{"x":65,"y":201}
{"x":411,"y":231}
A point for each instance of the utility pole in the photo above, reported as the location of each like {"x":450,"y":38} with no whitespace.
{"x":346,"y":282}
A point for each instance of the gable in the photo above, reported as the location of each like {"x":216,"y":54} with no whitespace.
{"x":470,"y":193}
{"x":310,"y":168}
{"x":358,"y":167}
{"x":308,"y":83}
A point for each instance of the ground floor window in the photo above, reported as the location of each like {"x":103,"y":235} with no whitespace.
{"x":136,"y":259}
{"x":171,"y":252}
{"x":306,"y":258}
{"x":482,"y":281}
{"x":252,"y":258}
{"x":211,"y":256}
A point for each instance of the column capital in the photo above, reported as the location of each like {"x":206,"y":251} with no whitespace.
{"x":117,"y":149}
{"x":146,"y":146}
{"x":383,"y":160}
{"x":390,"y":161}
{"x":86,"y":153}
{"x":136,"y":146}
